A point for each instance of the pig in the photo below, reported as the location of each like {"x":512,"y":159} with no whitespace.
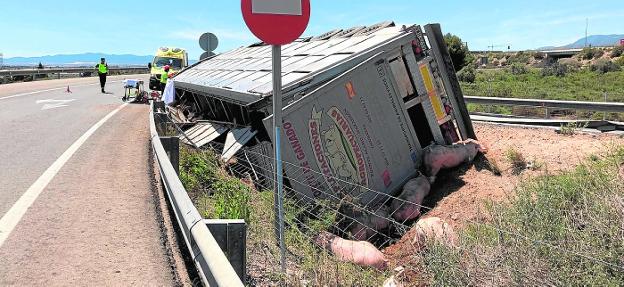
{"x":433,"y":228}
{"x":438,"y":157}
{"x":362,"y":253}
{"x":411,"y":198}
{"x":367,"y":224}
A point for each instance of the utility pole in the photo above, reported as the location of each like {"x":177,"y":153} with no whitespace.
{"x":586,"y":26}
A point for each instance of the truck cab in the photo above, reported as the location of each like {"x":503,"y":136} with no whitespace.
{"x":176,"y":58}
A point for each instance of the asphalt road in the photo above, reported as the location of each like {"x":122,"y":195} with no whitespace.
{"x":75,"y":180}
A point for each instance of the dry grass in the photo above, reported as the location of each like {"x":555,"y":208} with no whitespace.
{"x":561,"y":230}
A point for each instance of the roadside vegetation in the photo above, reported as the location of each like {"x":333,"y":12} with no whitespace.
{"x":583,"y":85}
{"x":589,"y":76}
{"x":561,"y":230}
{"x":218,"y":194}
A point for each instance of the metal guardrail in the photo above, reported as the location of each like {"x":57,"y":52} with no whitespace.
{"x":573,"y":105}
{"x":29,"y":72}
{"x":212,"y":264}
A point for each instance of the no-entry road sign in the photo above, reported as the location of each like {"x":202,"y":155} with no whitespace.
{"x":276,"y":22}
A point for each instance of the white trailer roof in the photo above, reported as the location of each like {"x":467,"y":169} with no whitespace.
{"x":244,"y":74}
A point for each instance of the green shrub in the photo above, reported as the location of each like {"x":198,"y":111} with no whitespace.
{"x":197,"y":169}
{"x":604,"y":66}
{"x":620,"y":61}
{"x":571,"y":65}
{"x":518,"y":69}
{"x":588,"y":53}
{"x":517,"y":161}
{"x":467,"y":74}
{"x":520,"y":57}
{"x":617,"y":51}
{"x":555,"y":69}
{"x":231,"y":198}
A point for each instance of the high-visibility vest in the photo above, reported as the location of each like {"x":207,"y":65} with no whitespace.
{"x":102,"y":69}
{"x":164,"y":77}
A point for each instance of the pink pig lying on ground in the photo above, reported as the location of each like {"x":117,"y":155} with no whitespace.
{"x":433,"y":229}
{"x":358,"y":252}
{"x":438,"y":157}
{"x":367,"y":224}
{"x":411,"y":198}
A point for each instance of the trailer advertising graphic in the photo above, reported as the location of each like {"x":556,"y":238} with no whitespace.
{"x":350,"y":137}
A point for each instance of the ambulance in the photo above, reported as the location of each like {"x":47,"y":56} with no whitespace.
{"x":176,"y":58}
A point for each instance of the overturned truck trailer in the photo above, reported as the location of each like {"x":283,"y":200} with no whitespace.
{"x":359,"y":106}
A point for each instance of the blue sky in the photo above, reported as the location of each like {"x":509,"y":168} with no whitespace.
{"x":34,"y":28}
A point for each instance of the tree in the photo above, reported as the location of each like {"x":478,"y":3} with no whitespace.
{"x":40,"y":66}
{"x":457,"y":49}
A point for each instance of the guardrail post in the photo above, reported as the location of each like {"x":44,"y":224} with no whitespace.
{"x":172,"y":147}
{"x":231,"y":235}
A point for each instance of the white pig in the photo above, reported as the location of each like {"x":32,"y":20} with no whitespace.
{"x":433,"y":228}
{"x":411,"y":198}
{"x":358,"y":252}
{"x":438,"y":157}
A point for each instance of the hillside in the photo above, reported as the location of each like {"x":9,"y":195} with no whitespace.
{"x":593,"y":40}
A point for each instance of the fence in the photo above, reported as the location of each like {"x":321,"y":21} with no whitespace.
{"x":211,"y":262}
{"x":341,"y":213}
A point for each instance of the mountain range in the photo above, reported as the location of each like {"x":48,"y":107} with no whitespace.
{"x":593,"y":40}
{"x":87,"y":59}
{"x":84,"y":59}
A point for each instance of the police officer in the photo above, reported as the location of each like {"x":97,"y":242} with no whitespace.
{"x":102,"y":69}
{"x":164,"y":77}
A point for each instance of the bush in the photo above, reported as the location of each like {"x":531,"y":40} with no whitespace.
{"x":467,"y":74}
{"x":571,"y":65}
{"x":588,"y":53}
{"x":539,"y":55}
{"x":518,"y":69}
{"x":617,"y":51}
{"x":197,"y":169}
{"x":620,"y":62}
{"x":555,"y":69}
{"x":520,"y":58}
{"x":604,"y":66}
{"x":231,"y":199}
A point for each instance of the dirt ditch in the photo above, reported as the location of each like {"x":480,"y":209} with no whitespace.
{"x":459,"y":196}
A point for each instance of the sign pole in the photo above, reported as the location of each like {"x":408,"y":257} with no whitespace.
{"x":276,"y":23}
{"x":277,"y":123}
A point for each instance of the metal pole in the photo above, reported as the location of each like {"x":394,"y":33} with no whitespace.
{"x":604,"y":115}
{"x":277,"y":123}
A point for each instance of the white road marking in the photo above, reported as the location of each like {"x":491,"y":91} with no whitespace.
{"x":49,"y":90}
{"x":17,"y":211}
{"x":51,"y":104}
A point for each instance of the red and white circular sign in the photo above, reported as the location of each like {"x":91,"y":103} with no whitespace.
{"x":276,"y":22}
